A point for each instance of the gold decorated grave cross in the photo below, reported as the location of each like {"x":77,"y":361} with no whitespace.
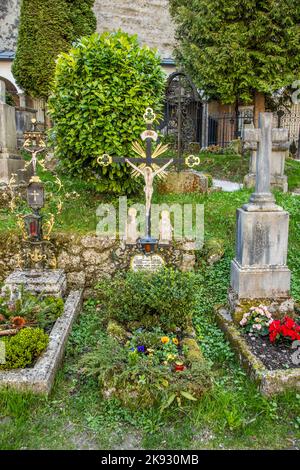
{"x":147,"y":163}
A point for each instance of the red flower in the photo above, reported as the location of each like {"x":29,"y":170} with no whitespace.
{"x":18,"y":322}
{"x":289,"y":322}
{"x":287,"y":328}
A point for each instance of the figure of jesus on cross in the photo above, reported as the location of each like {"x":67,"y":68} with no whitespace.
{"x":146,"y":165}
{"x":149,"y":176}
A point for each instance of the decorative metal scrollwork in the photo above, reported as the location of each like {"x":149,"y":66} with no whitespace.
{"x":104,"y":160}
{"x":192,"y":161}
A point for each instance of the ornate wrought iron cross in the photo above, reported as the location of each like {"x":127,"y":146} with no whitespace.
{"x":147,"y":165}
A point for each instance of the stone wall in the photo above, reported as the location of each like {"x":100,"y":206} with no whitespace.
{"x":149,"y":19}
{"x":9,"y":20}
{"x":87,"y":258}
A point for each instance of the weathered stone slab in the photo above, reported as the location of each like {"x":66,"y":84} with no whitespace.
{"x":262,"y":238}
{"x":40,"y":378}
{"x":48,"y":282}
{"x":258,"y":283}
{"x":269,"y":382}
{"x":114,"y":256}
{"x":183,"y":182}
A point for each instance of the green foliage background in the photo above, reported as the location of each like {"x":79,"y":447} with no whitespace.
{"x":234,"y":47}
{"x":47,"y":28}
{"x":102,"y":88}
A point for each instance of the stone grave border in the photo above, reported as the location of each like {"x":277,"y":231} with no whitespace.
{"x":269,"y":382}
{"x":40,"y":378}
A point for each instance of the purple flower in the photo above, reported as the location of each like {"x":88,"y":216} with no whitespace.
{"x":141,"y":349}
{"x":132,"y":349}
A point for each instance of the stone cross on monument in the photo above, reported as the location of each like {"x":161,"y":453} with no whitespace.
{"x":259,"y":269}
{"x":273,"y":167}
{"x":262,"y":196}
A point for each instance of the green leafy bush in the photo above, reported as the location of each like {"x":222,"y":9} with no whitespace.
{"x":101,"y":90}
{"x":24,"y":348}
{"x":165,"y":298}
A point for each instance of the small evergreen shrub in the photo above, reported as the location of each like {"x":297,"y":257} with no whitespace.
{"x":24,"y":348}
{"x":165,"y":298}
{"x":101,"y":90}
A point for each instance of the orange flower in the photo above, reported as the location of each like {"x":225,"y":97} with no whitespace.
{"x":175,"y":341}
{"x":2,"y":318}
{"x":18,"y":321}
{"x":165,"y":340}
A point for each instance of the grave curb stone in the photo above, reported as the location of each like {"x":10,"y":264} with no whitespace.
{"x":40,"y":378}
{"x":269,"y":382}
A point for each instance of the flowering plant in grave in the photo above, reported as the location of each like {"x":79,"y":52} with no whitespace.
{"x":287,"y":330}
{"x":156,"y":347}
{"x":257,"y":321}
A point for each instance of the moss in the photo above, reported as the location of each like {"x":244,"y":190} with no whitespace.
{"x":117,"y":331}
{"x":209,"y":179}
{"x":214,"y":250}
{"x":194,"y":353}
{"x":244,"y":306}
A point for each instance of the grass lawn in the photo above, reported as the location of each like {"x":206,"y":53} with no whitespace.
{"x":235,"y":167}
{"x":232,"y":416}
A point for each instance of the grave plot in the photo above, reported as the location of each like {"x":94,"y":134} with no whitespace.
{"x":35,"y":331}
{"x":148,"y":354}
{"x":262,"y":322}
{"x":36,"y":313}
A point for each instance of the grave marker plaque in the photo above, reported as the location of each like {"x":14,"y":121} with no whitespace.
{"x":149,"y":263}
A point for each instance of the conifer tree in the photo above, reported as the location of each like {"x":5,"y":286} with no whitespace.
{"x":239,"y":49}
{"x":47,"y":28}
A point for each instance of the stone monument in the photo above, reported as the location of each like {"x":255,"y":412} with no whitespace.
{"x":280,"y":149}
{"x":10,"y":161}
{"x":183,"y":182}
{"x":259,"y":269}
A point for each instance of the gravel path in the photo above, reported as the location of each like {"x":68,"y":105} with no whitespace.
{"x":227,"y":186}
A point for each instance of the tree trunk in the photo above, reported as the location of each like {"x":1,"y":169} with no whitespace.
{"x":259,"y":106}
{"x":236,"y":130}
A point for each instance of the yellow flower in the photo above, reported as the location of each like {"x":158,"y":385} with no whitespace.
{"x":170,"y":357}
{"x":175,"y":341}
{"x":150,"y":352}
{"x":165,"y":340}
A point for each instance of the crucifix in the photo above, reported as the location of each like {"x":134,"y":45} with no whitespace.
{"x":34,"y":143}
{"x":146,"y":165}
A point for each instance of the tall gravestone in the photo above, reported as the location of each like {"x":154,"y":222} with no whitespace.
{"x":10,"y":161}
{"x":259,"y":269}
